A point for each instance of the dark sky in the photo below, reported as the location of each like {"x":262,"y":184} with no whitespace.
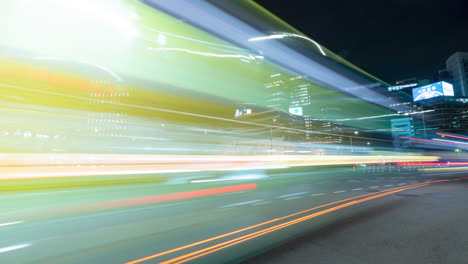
{"x":391,"y":39}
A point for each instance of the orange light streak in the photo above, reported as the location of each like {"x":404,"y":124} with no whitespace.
{"x":272,"y":221}
{"x":217,"y":247}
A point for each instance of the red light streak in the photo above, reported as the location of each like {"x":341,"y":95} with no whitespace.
{"x":447,"y":135}
{"x":434,"y":141}
{"x":168,"y":197}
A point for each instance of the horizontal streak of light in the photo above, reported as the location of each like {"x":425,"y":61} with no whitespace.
{"x":191,"y":39}
{"x":43,"y":165}
{"x":15,"y":247}
{"x":165,"y":197}
{"x":258,"y":225}
{"x":372,"y":117}
{"x":448,"y":163}
{"x":236,"y":56}
{"x":448,"y":135}
{"x":451,"y":141}
{"x":444,"y":169}
{"x":11,"y":223}
{"x":232,"y":242}
{"x":433,"y":141}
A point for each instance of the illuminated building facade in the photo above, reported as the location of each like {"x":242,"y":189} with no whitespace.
{"x":457,"y":66}
{"x":450,"y":114}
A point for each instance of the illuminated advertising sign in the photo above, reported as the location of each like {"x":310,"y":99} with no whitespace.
{"x":296,"y":111}
{"x":240,"y":112}
{"x":432,"y":90}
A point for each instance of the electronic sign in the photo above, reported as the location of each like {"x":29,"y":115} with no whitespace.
{"x":432,"y":90}
{"x":240,"y":112}
{"x":296,"y":111}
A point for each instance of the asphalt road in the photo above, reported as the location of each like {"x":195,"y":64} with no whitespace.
{"x":421,"y":226}
{"x":45,"y":227}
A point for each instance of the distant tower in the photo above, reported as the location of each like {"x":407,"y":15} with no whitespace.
{"x":457,"y":66}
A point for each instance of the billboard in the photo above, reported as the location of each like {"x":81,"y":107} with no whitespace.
{"x":296,"y":111}
{"x":432,"y":90}
{"x":240,"y":112}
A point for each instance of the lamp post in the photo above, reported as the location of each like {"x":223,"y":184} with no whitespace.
{"x":351,"y":139}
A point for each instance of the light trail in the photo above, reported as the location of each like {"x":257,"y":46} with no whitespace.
{"x":11,"y":223}
{"x":272,"y":221}
{"x":454,"y":136}
{"x":45,"y":165}
{"x":152,"y":199}
{"x":15,"y":247}
{"x":212,"y":249}
{"x":232,"y":242}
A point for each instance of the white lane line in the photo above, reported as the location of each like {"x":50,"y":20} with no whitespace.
{"x":291,"y":194}
{"x":291,"y":198}
{"x":15,"y":247}
{"x":339,"y":192}
{"x":11,"y":223}
{"x":236,"y":204}
{"x":357,"y":189}
{"x":317,"y":194}
{"x":267,"y":202}
{"x":457,"y":179}
{"x":403,"y":183}
{"x":388,"y":185}
{"x":374,"y":187}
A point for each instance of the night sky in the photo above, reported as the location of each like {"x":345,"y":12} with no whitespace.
{"x":392,"y":40}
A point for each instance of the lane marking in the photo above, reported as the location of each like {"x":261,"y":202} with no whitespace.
{"x":267,"y":222}
{"x":236,"y":204}
{"x":15,"y":247}
{"x":267,"y":202}
{"x":357,"y":189}
{"x":388,"y":185}
{"x":11,"y":223}
{"x":292,"y":194}
{"x":232,"y":242}
{"x":291,"y":198}
{"x":317,"y":194}
{"x":403,"y":183}
{"x":339,"y":192}
{"x":374,"y":187}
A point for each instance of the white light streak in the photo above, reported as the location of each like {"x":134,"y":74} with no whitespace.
{"x":283,"y":35}
{"x":237,"y":56}
{"x":11,"y":223}
{"x":15,"y":247}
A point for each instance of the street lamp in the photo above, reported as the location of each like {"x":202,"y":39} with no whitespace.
{"x":351,"y":138}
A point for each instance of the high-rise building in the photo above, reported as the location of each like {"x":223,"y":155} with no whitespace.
{"x":278,"y":92}
{"x":450,"y":114}
{"x":457,"y":66}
